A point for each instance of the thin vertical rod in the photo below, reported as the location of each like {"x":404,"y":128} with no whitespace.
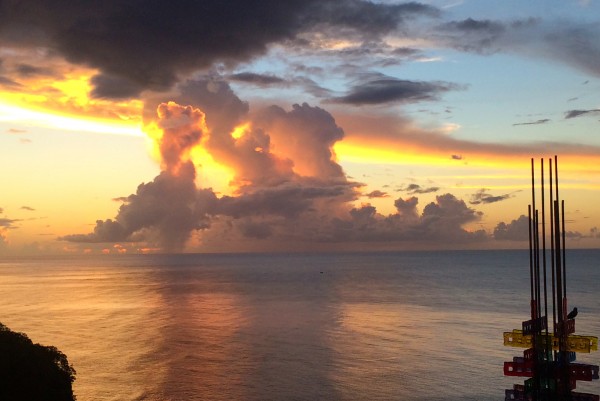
{"x":564,"y":247}
{"x":557,"y":244}
{"x":557,"y":256}
{"x":531,"y":258}
{"x":556,"y":175}
{"x":552,"y":249}
{"x":534,"y":242}
{"x":544,"y":251}
{"x":537,"y":264}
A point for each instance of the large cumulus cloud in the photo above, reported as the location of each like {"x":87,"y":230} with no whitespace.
{"x":165,"y":211}
{"x":287,"y":184}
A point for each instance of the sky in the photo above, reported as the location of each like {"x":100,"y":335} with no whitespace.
{"x":313,"y":125}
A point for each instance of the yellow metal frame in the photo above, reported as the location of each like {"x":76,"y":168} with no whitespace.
{"x":575,"y":343}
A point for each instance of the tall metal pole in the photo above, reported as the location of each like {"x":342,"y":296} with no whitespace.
{"x":531,"y":261}
{"x":552,"y":250}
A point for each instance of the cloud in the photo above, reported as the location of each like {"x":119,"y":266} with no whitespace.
{"x":288,"y":200}
{"x":283,"y":165}
{"x":287,"y":186}
{"x":9,"y":83}
{"x":257,"y":79}
{"x":162,"y":212}
{"x":112,"y":86}
{"x":578,"y":113}
{"x":381,"y":89}
{"x":516,"y":230}
{"x":7,"y":223}
{"x":570,"y":42}
{"x":166,"y":210}
{"x":440,"y":221}
{"x":456,"y":157}
{"x":399,"y":134}
{"x":482,"y":197}
{"x":417,"y":189}
{"x":266,"y":80}
{"x":479,"y":36}
{"x":148,"y":45}
{"x":28,"y":208}
{"x":182,"y":129}
{"x":16,"y":131}
{"x":538,"y":122}
{"x":574,"y":235}
{"x":27,"y":71}
{"x":377,"y":194}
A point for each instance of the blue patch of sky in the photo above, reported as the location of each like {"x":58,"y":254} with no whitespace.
{"x":517,"y":9}
{"x":502,"y":90}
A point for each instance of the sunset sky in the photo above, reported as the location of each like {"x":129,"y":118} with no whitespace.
{"x":211,"y":126}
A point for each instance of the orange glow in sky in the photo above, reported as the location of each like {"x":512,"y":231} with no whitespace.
{"x":48,"y":119}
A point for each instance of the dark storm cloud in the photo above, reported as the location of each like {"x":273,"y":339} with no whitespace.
{"x":538,"y":122}
{"x":371,"y":18}
{"x":27,"y":70}
{"x":146,"y":44}
{"x":381,"y":89}
{"x":482,"y":197}
{"x":417,"y":189}
{"x":516,"y":230}
{"x":578,"y":113}
{"x":114,"y":87}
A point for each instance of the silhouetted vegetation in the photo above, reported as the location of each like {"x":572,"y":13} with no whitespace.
{"x":33,"y":372}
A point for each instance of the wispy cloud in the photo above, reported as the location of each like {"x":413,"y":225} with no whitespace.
{"x":579,"y":113}
{"x":483,"y":197}
{"x":257,"y":79}
{"x":537,"y":122}
{"x":377,"y":194}
{"x":380,"y":89}
{"x":8,"y":223}
{"x":418,"y":189}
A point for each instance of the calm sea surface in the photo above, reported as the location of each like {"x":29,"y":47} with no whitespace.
{"x":381,"y":326}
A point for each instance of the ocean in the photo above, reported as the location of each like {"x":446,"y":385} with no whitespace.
{"x":259,"y":327}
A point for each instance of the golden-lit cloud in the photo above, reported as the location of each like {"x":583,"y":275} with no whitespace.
{"x":59,"y":96}
{"x":394,"y":140}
